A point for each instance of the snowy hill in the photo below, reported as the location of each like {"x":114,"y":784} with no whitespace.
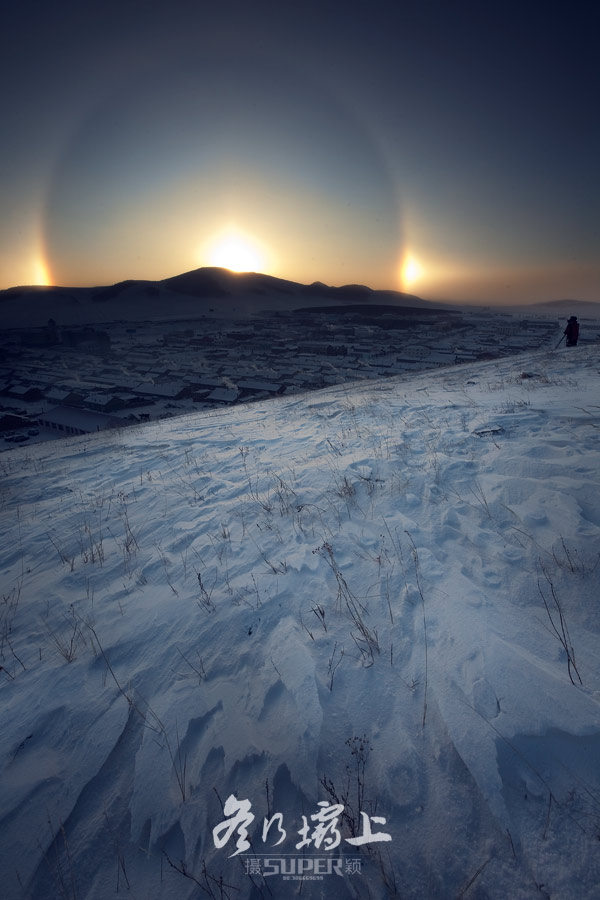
{"x":380,"y":598}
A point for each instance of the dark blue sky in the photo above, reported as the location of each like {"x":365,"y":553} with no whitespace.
{"x":447,"y":148}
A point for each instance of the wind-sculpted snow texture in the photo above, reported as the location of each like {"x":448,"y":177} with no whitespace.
{"x":384,"y":595}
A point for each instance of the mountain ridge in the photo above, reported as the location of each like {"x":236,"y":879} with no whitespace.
{"x":192,"y":294}
{"x":217,"y":292}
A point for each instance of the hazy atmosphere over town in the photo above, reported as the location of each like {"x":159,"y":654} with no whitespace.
{"x":299,"y":461}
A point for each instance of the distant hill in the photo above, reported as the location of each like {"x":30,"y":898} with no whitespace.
{"x":200,"y":292}
{"x":568,"y":307}
{"x":215,"y":282}
{"x":579,"y":303}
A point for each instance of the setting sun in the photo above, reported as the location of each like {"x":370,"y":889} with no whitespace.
{"x":236,"y":251}
{"x":411,"y":271}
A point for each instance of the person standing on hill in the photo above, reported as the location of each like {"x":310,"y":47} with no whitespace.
{"x":572,"y":331}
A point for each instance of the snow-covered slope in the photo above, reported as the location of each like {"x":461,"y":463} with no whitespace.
{"x":382,"y":596}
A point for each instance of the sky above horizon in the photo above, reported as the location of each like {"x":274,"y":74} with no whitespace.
{"x":446,"y":149}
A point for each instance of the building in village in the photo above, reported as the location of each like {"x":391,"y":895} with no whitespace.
{"x":68,"y":420}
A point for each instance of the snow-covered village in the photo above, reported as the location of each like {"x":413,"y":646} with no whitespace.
{"x":76,"y":379}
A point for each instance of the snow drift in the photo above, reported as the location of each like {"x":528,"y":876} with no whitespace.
{"x":380,"y":597}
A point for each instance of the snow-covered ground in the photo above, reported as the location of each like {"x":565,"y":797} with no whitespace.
{"x":382,"y":597}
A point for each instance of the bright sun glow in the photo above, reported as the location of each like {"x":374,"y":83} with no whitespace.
{"x":41,"y":274}
{"x":411,"y":271}
{"x":236,"y":251}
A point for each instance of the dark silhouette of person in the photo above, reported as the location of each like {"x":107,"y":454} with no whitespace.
{"x":572,"y":331}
